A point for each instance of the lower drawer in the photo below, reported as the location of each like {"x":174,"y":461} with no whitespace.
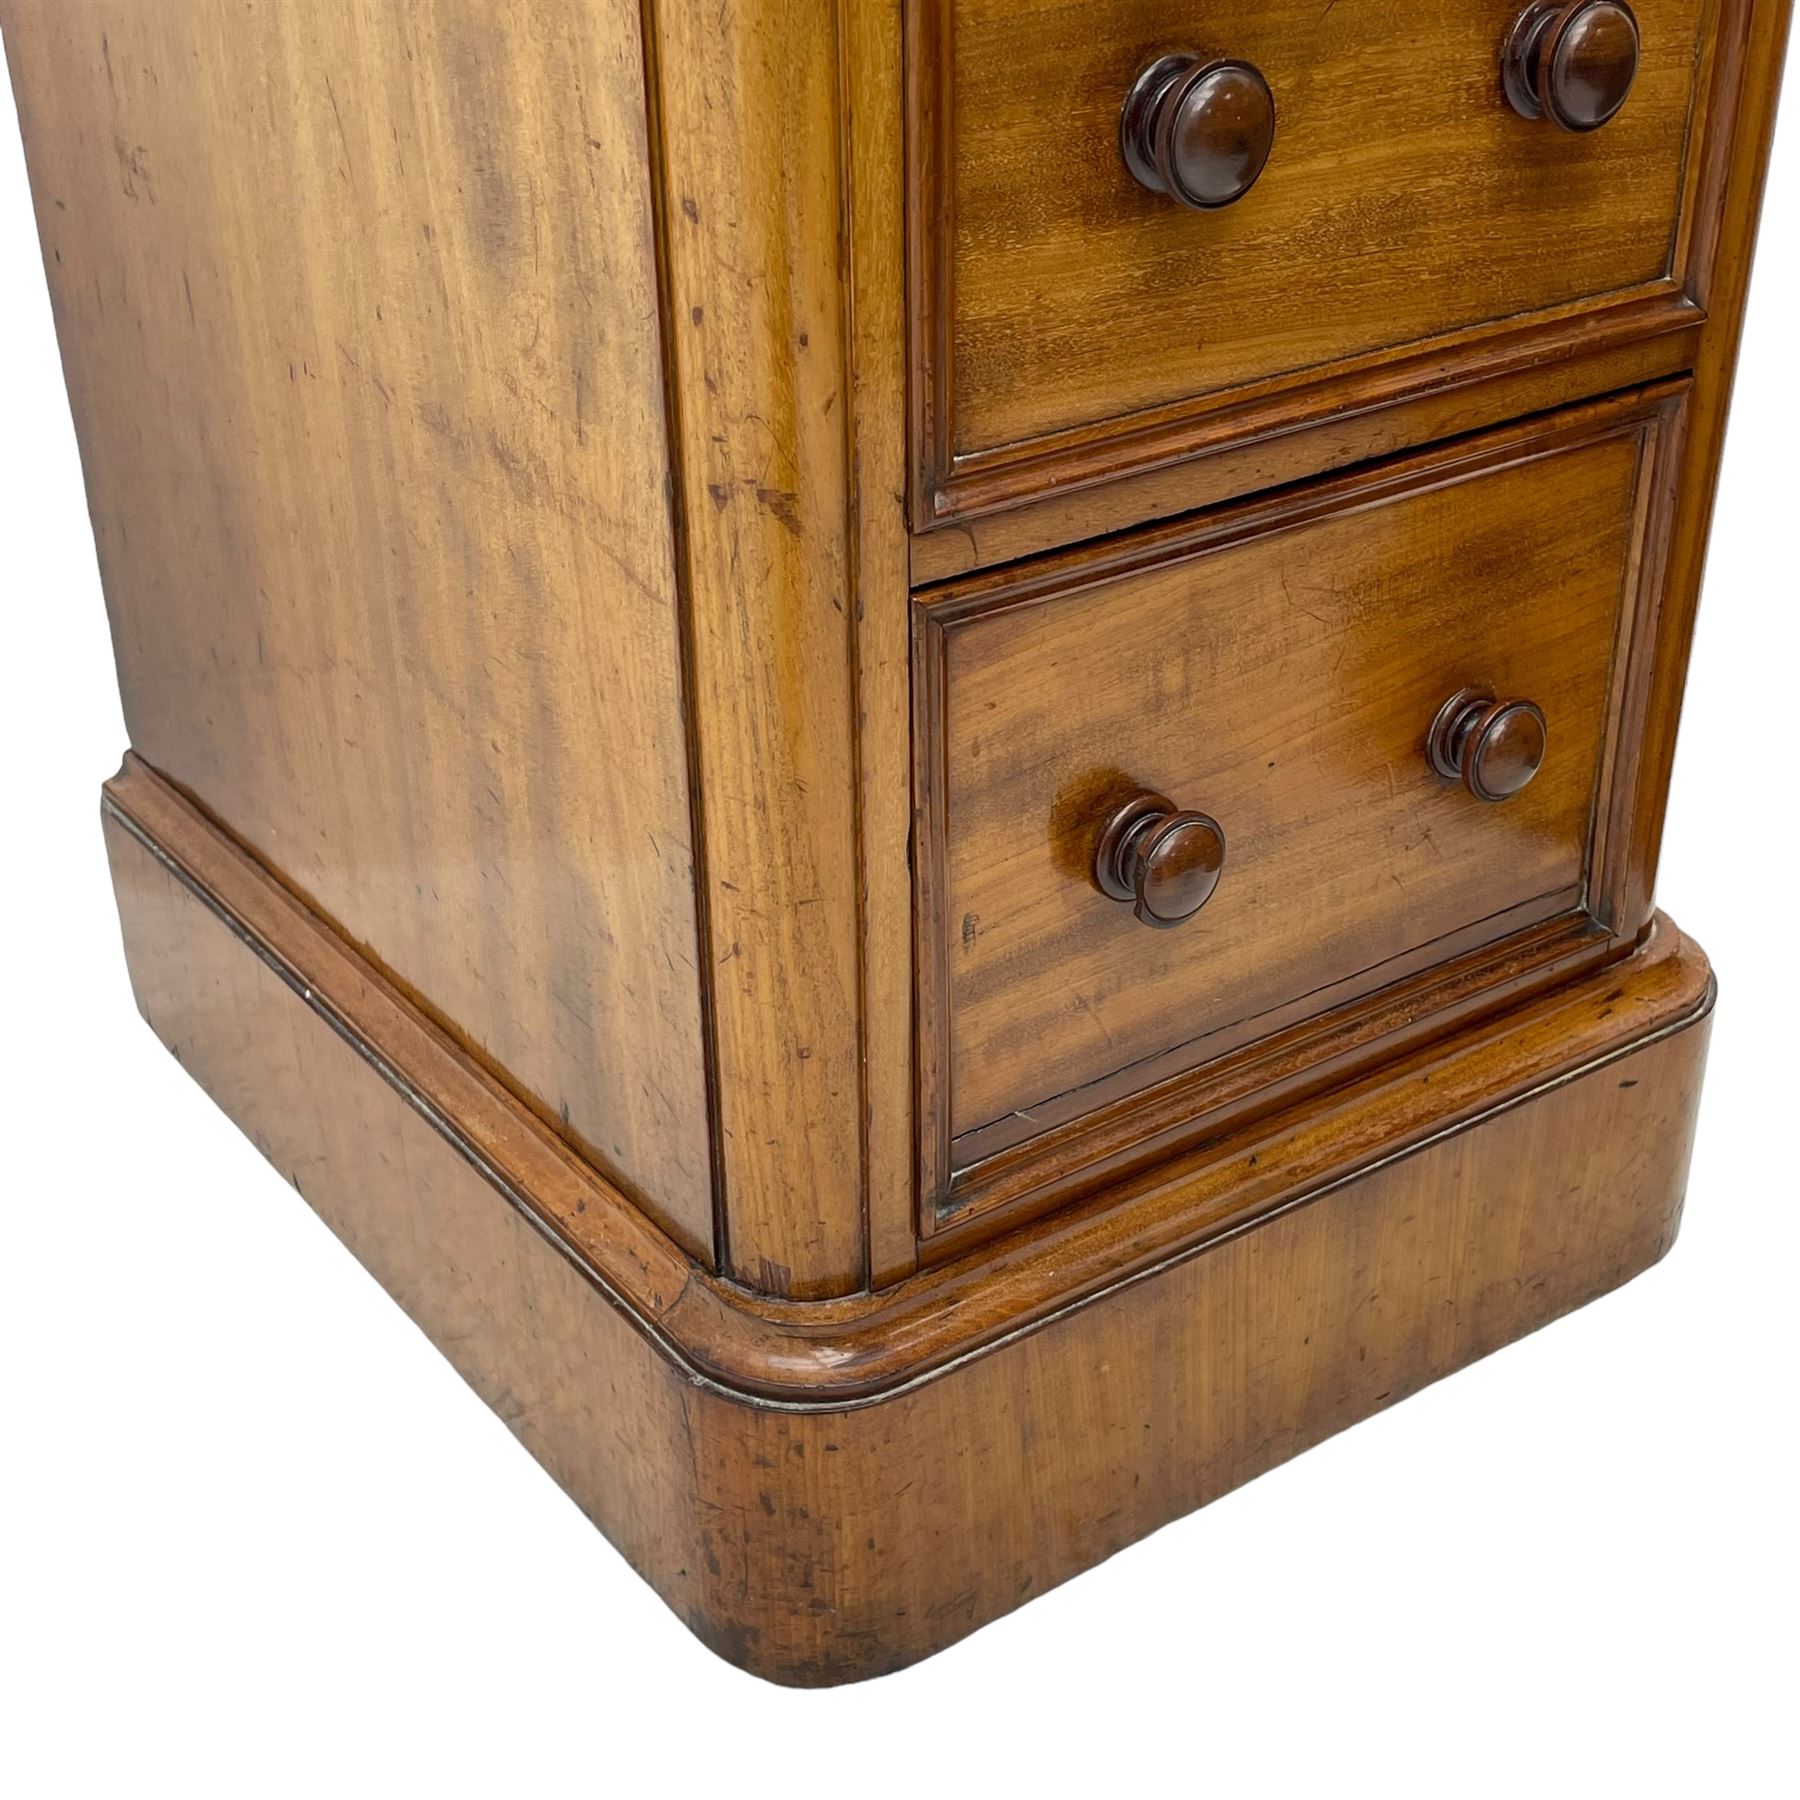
{"x":1316,"y":684}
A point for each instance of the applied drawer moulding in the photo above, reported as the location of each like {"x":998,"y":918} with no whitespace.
{"x":953,"y":482}
{"x":1060,"y":1145}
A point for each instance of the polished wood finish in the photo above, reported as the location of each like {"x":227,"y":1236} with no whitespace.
{"x":1198,"y":131}
{"x":875,"y":295}
{"x":1283,"y":663}
{"x":1163,"y":863}
{"x":446,"y":573}
{"x":366,"y":381}
{"x":1411,"y":229}
{"x":828,"y":1492}
{"x":753,"y":177}
{"x":687,"y":585}
{"x":1495,"y":748}
{"x":1573,"y":62}
{"x":778,"y":143}
{"x":1133,"y":497}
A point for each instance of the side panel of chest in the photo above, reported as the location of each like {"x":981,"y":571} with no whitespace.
{"x":359,"y":312}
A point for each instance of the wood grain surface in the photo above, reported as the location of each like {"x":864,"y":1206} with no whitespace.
{"x":643,"y":546}
{"x":358,"y":305}
{"x":1073,"y":514}
{"x":823,"y":1543}
{"x":593,"y":731}
{"x":753,"y":179}
{"x":853,"y":1348}
{"x":1280,"y":673}
{"x":1068,"y":314}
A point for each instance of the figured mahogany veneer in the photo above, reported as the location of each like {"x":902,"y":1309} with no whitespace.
{"x":916,"y":747}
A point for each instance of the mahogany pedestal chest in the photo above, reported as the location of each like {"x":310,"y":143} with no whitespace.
{"x":914,"y":752}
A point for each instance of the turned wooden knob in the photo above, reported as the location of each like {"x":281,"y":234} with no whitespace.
{"x":1571,"y":61}
{"x":1493,"y":747}
{"x":1162,"y":862}
{"x":1197,"y":131}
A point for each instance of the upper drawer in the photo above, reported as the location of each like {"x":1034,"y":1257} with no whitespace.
{"x":1283,"y":667}
{"x":1410,"y":228}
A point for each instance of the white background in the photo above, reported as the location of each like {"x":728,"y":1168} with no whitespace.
{"x":259,"y":1540}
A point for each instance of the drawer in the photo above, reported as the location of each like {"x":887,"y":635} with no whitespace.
{"x":1277,"y":668}
{"x":1409,"y":230}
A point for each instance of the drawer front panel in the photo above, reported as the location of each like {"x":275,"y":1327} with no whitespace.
{"x":1074,"y":324}
{"x":1278,"y":668}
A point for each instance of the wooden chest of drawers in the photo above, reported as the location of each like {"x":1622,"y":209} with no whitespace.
{"x":917,"y":750}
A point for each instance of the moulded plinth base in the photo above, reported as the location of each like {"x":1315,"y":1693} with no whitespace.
{"x":832,"y":1491}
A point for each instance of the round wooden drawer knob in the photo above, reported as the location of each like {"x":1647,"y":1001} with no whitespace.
{"x":1200,"y":132}
{"x":1493,"y":747}
{"x":1162,"y":862}
{"x":1572,"y":61}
